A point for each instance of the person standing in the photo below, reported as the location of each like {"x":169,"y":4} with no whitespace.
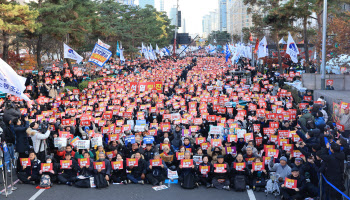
{"x":344,"y":119}
{"x":39,"y":143}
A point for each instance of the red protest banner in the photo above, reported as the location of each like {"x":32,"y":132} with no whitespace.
{"x":132,"y":162}
{"x":83,"y":162}
{"x":156,"y":162}
{"x":25,"y":162}
{"x":290,"y":183}
{"x":117,"y":165}
{"x":100,"y":165}
{"x":66,"y":164}
{"x":46,"y":167}
{"x":204,"y":169}
{"x":258,"y":166}
{"x":239,"y":166}
{"x":220,"y":168}
{"x":186,"y":163}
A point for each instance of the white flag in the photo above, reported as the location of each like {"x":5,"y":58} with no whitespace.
{"x":157,"y":49}
{"x":262,"y":49}
{"x":145,"y":51}
{"x":11,"y":82}
{"x":71,"y":54}
{"x":122,"y":55}
{"x":282,"y":41}
{"x":151,"y":53}
{"x":99,"y":42}
{"x":292,"y":49}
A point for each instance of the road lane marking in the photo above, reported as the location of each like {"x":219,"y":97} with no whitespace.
{"x":37,"y":194}
{"x":251,"y":195}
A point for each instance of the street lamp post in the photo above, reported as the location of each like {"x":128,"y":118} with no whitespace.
{"x":176,"y":25}
{"x":324,"y":35}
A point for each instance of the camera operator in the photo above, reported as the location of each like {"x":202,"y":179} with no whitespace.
{"x":38,"y":138}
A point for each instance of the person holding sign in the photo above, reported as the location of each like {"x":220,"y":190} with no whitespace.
{"x":69,"y":149}
{"x":215,"y":152}
{"x":258,"y":174}
{"x":168,"y":157}
{"x":293,"y":186}
{"x":187,"y":144}
{"x":149,"y":152}
{"x":68,"y":173}
{"x":52,"y":173}
{"x":157,"y":170}
{"x":221,"y":178}
{"x":102,"y":173}
{"x":239,"y":170}
{"x":205,"y":172}
{"x":187,"y":171}
{"x":344,"y":119}
{"x":137,"y":173}
{"x":118,"y":174}
{"x":282,"y":169}
{"x":85,"y":172}
{"x":31,"y":174}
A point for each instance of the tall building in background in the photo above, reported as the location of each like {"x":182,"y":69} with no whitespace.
{"x":223,"y":15}
{"x":143,"y":3}
{"x":229,"y":4}
{"x":239,"y":17}
{"x":184,"y":26}
{"x":210,"y":23}
{"x":161,"y":5}
{"x":127,"y":2}
{"x":172,"y":16}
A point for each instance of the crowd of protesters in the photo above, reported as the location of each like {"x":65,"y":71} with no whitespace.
{"x":202,"y":118}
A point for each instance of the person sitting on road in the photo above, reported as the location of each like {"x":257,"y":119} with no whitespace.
{"x":68,"y":176}
{"x":137,"y":173}
{"x":31,"y":172}
{"x":156,"y":174}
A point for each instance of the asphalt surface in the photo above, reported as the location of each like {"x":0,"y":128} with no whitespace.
{"x":130,"y":191}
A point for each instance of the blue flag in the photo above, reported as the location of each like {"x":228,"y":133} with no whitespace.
{"x":118,"y":49}
{"x":228,"y":54}
{"x":167,"y":51}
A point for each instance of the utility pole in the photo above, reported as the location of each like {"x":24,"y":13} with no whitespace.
{"x":177,"y":17}
{"x":324,"y":36}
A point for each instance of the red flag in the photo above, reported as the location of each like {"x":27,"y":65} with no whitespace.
{"x":256,"y":45}
{"x":250,"y":37}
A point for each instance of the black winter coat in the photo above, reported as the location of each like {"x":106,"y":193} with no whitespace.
{"x":22,"y":142}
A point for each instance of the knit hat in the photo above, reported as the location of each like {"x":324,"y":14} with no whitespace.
{"x":295,"y":169}
{"x":283,"y":158}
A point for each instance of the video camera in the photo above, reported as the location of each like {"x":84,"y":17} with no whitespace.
{"x":43,"y":126}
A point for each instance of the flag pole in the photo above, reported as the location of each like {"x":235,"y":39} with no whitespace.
{"x":324,"y":35}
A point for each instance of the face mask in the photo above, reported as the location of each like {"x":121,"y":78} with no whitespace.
{"x":84,"y":137}
{"x":49,"y":161}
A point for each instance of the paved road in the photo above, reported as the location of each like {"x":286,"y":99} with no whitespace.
{"x":131,"y":191}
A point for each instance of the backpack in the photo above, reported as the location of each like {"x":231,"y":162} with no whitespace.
{"x":45,"y":181}
{"x":188,"y":181}
{"x":310,"y":123}
{"x":319,"y":121}
{"x":100,"y":181}
{"x":239,"y":183}
{"x":83,"y":183}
